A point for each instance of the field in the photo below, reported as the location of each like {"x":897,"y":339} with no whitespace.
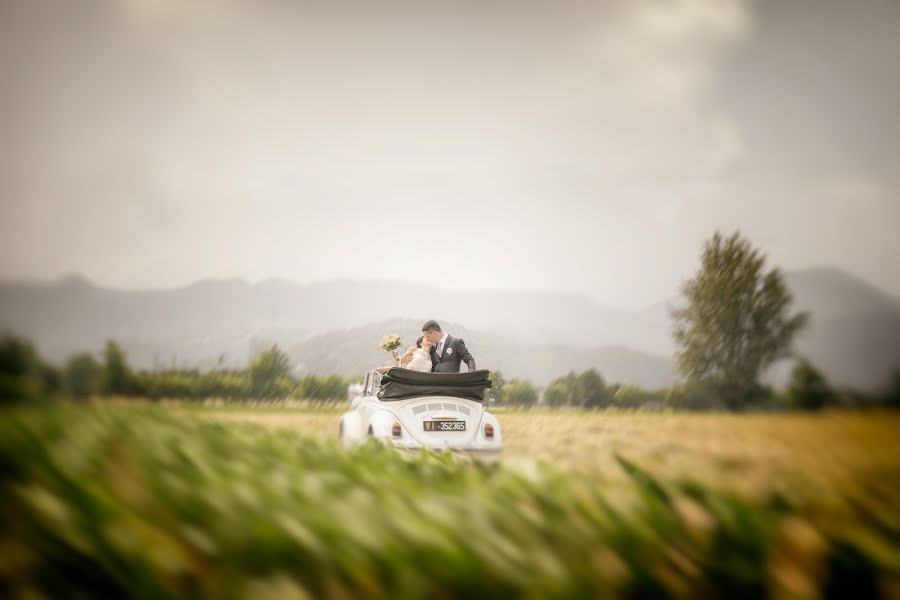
{"x":183,"y":500}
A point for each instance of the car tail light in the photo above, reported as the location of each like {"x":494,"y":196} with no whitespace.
{"x":396,"y":430}
{"x":488,"y":430}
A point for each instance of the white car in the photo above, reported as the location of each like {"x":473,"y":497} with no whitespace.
{"x":413,"y":409}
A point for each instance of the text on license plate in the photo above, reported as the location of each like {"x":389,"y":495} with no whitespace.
{"x":445,"y":425}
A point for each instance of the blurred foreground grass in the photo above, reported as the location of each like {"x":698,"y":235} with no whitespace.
{"x":170,"y":502}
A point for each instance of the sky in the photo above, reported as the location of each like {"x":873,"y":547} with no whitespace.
{"x":583,"y":147}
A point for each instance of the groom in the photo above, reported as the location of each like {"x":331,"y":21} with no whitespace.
{"x":447,"y":352}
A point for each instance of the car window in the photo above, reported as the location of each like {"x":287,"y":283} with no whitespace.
{"x":376,"y":383}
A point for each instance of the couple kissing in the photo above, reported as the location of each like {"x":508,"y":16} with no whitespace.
{"x":437,"y":352}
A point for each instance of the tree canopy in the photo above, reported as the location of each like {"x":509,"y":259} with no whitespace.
{"x":736,"y":320}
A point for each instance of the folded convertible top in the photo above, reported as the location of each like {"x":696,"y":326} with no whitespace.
{"x":401,"y":384}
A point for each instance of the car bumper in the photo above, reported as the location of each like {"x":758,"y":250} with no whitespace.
{"x":480,"y":448}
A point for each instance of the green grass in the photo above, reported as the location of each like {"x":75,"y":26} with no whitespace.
{"x":153,"y":502}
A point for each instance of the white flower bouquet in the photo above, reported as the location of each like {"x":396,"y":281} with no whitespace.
{"x":390,"y":343}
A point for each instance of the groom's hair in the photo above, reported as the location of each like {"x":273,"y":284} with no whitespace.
{"x":431,"y":326}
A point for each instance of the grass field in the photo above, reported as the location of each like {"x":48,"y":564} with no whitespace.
{"x":195,"y":501}
{"x":749,"y":453}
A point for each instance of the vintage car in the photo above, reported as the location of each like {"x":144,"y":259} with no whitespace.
{"x":413,"y":409}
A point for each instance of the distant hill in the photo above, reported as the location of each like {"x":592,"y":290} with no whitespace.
{"x":829,"y":293}
{"x":353,"y":351}
{"x":854,"y":335}
{"x":226,"y":315}
{"x":854,"y":332}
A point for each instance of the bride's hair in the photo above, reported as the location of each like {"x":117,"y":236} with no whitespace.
{"x":421,"y":341}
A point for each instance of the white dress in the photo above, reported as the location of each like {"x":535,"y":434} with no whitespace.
{"x":420,"y":361}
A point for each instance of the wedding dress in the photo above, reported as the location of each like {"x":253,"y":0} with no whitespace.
{"x":420,"y":361}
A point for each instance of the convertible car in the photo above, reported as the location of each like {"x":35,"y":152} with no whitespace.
{"x":412,"y":409}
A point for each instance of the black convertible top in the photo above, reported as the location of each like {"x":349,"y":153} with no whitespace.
{"x":401,"y":384}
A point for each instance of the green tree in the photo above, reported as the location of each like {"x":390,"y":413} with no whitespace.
{"x":561,"y":391}
{"x":520,"y":393}
{"x":893,"y":396}
{"x":20,"y":371}
{"x":83,"y":376}
{"x":308,"y":388}
{"x":498,"y":387}
{"x":18,"y":358}
{"x":633,"y":396}
{"x":736,"y":320}
{"x":322,"y":387}
{"x":590,"y":390}
{"x":118,"y":378}
{"x":332,"y":387}
{"x":266,"y":369}
{"x":808,"y":388}
{"x":694,"y":395}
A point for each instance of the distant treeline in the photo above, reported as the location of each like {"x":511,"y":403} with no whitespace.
{"x":807,"y":390}
{"x":26,"y":376}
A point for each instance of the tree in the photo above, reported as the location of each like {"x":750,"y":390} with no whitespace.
{"x":808,"y":389}
{"x":267,"y":369}
{"x":590,"y":390}
{"x":634,"y":396}
{"x":18,"y":358}
{"x":322,"y":387}
{"x":697,"y":394}
{"x":586,"y":390}
{"x":561,"y":391}
{"x":20,"y":371}
{"x":520,"y":393}
{"x":498,"y":387}
{"x":332,"y":387}
{"x":893,"y":396}
{"x":735,"y":322}
{"x":117,"y":376}
{"x":308,"y":388}
{"x":83,"y":375}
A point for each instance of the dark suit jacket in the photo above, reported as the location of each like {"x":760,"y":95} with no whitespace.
{"x":454,"y":353}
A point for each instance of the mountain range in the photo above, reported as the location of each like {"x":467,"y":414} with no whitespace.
{"x":854,"y":333}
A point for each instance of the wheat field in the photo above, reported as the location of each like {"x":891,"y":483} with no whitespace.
{"x":262,"y":502}
{"x":749,"y":452}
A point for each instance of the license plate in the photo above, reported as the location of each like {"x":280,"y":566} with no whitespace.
{"x":445,"y":425}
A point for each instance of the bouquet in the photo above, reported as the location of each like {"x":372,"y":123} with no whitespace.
{"x":390,"y":343}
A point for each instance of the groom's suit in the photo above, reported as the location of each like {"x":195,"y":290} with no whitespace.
{"x":453,"y":353}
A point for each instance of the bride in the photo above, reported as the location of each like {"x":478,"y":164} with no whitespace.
{"x":418,"y":358}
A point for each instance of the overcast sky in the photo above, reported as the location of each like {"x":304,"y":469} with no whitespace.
{"x":583,"y":146}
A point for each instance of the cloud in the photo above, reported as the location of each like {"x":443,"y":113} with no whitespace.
{"x":570,"y":146}
{"x":855,"y":189}
{"x":665,"y":54}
